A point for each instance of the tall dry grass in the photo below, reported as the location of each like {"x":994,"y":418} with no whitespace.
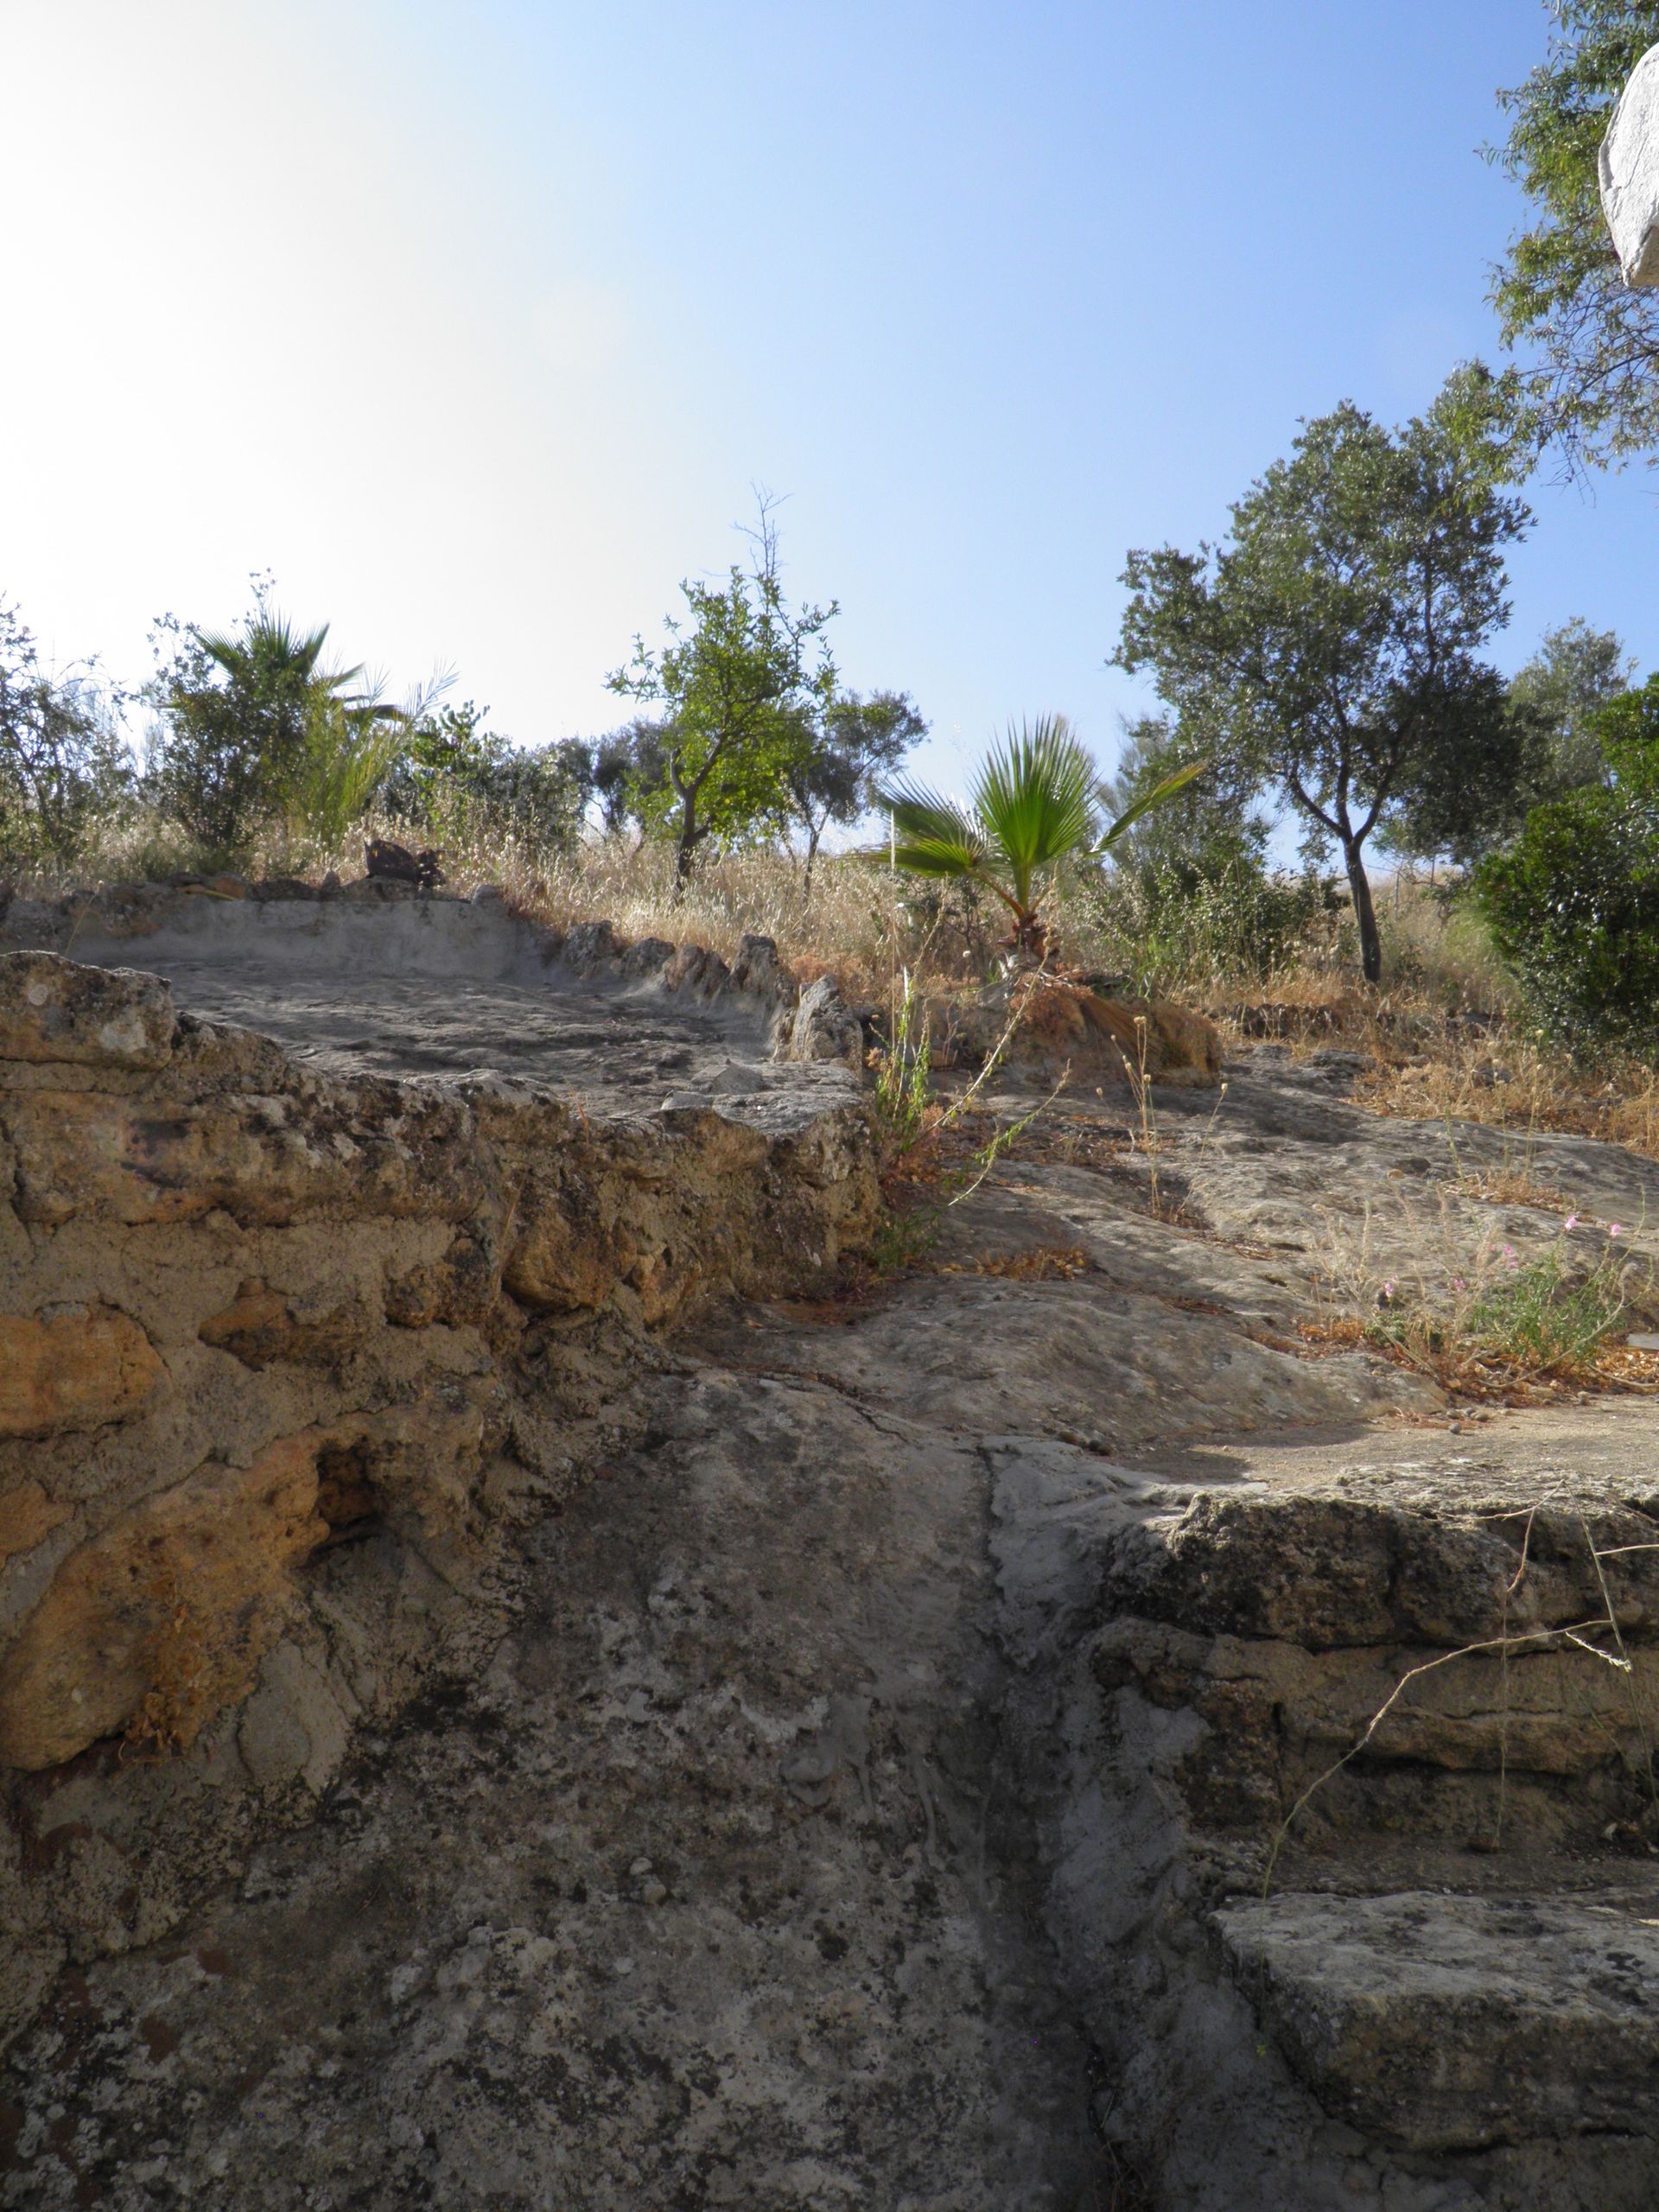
{"x":1445,"y":1034}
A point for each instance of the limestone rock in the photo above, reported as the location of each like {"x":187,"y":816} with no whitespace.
{"x":1052,"y":1023}
{"x":1449,"y":2024}
{"x":825,"y":1028}
{"x":56,"y":1009}
{"x":261,"y":1325}
{"x":697,"y":971}
{"x":172,"y":1605}
{"x":1628,"y":171}
{"x":590,"y":946}
{"x":28,"y":1515}
{"x":72,"y":1371}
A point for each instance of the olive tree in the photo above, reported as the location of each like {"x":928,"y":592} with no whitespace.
{"x":1330,"y":649}
{"x":1590,"y":343}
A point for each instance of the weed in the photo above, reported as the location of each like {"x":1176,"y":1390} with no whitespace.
{"x":925,"y":1174}
{"x":1496,"y":1324}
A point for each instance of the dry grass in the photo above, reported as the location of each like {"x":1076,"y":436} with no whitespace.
{"x":1038,"y":1263}
{"x":1509,"y":1082}
{"x":1476,"y":1373}
{"x":1445,"y":1034}
{"x":1483,"y":1321}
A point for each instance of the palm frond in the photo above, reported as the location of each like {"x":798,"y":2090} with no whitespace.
{"x":932,"y":835}
{"x":1035,"y":798}
{"x":1148,"y":801}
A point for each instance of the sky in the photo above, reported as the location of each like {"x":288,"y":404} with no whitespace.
{"x":476,"y":325}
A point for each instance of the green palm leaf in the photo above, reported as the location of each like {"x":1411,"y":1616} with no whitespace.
{"x":1034,"y":795}
{"x":1033,"y":806}
{"x":932,"y":835}
{"x":1148,"y":801}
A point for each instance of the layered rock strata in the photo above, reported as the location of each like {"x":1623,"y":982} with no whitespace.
{"x":1347,"y":1784}
{"x":283,"y":1354}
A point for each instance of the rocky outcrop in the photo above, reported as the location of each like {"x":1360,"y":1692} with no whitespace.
{"x":1047,"y":1733}
{"x":1348,"y":1793}
{"x":1042,"y":1025}
{"x":284,"y":1357}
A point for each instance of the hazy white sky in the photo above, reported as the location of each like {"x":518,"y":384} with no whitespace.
{"x":475,"y":322}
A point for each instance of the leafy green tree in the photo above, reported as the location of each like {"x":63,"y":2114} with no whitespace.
{"x":834,"y":772}
{"x":1594,"y":382}
{"x":455,"y":773}
{"x":630,"y":774}
{"x":1574,"y":674}
{"x":1573,"y":903}
{"x":63,"y":764}
{"x":1211,"y":829}
{"x":1329,"y":651}
{"x":739,"y":672}
{"x":1034,"y":806}
{"x":235,"y":715}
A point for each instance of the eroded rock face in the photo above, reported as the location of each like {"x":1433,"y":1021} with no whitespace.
{"x":72,"y":1371}
{"x":1046,"y":1735}
{"x":284,"y":1355}
{"x":58,"y":1010}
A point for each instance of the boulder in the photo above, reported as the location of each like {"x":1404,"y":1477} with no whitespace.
{"x":1628,"y":167}
{"x":824,"y":1027}
{"x":1053,"y":1022}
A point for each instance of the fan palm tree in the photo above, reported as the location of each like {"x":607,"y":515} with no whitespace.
{"x":1033,"y":806}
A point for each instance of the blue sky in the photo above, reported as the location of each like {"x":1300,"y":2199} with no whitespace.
{"x":476,"y":324}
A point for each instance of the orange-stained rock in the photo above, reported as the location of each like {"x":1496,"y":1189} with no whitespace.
{"x":1057,"y":1022}
{"x":26,"y":1515}
{"x":74,"y":1371}
{"x":168,"y":1609}
{"x":259,"y":1327}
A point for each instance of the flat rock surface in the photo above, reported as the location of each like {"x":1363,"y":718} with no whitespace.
{"x":619,"y":1049}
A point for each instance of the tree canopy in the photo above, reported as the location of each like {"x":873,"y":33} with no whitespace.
{"x":1592,"y":374}
{"x":1575,"y":673}
{"x":737,"y":675}
{"x":1573,"y":903}
{"x":62,"y":763}
{"x":842,"y":751}
{"x":1330,"y":649}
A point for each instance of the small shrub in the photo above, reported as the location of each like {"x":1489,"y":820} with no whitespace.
{"x":64,"y":771}
{"x":1573,"y":903}
{"x":1507,"y":1321}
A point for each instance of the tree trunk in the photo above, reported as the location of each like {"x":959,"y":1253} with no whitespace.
{"x":685,"y":849}
{"x":806,"y":877}
{"x":1370,"y":942}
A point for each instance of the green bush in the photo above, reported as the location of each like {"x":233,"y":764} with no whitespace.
{"x":1573,"y":903}
{"x":64,"y":770}
{"x":1167,"y":925}
{"x":457,"y":780}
